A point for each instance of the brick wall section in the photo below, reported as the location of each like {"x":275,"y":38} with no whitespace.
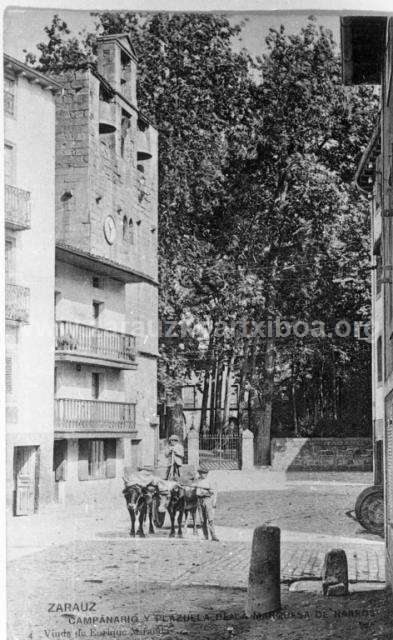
{"x":322,"y":454}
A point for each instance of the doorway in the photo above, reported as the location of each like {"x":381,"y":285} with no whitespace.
{"x":26,"y":478}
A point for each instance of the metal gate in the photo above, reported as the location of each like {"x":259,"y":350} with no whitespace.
{"x":219,"y":451}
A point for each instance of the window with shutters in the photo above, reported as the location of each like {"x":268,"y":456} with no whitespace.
{"x":97,"y":310}
{"x":60,"y":460}
{"x":9,"y":96}
{"x":9,"y":163}
{"x":8,"y":375}
{"x":9,"y":260}
{"x":95,"y":385}
{"x":97,"y":458}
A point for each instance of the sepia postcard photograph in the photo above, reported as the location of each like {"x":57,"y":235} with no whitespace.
{"x":198,"y":336}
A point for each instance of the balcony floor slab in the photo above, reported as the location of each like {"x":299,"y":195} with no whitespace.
{"x":73,"y":435}
{"x":82,"y":358}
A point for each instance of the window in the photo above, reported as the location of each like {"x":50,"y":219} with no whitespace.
{"x":126,"y":75}
{"x":60,"y":460}
{"x":9,"y":260}
{"x":9,"y":96}
{"x":95,"y":385}
{"x":96,"y":282}
{"x":56,"y":303}
{"x":8,"y":375}
{"x":125,"y":227}
{"x":55,"y":381}
{"x":379,"y":359}
{"x":97,"y":309}
{"x":9,"y":163}
{"x":188,"y":395}
{"x":125,"y":125}
{"x":97,"y":459}
{"x":131,"y":231}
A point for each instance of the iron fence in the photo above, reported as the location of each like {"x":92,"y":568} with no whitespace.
{"x":219,"y":451}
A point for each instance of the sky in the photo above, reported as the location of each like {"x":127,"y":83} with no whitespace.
{"x":23,"y":28}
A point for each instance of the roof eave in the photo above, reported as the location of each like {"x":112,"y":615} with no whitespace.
{"x":22,"y":69}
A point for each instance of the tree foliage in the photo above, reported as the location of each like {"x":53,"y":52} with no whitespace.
{"x":258,"y":216}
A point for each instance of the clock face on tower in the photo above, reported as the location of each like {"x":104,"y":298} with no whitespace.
{"x":110,"y":229}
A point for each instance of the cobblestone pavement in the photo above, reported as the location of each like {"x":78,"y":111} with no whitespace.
{"x":91,"y":558}
{"x":115,"y":573}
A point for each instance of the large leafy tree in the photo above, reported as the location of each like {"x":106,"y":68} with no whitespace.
{"x":308,"y":238}
{"x":258,"y":217}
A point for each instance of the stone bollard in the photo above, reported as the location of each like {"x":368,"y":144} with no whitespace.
{"x":263,"y":594}
{"x":335,"y":573}
{"x":247,"y":450}
{"x":193,"y":448}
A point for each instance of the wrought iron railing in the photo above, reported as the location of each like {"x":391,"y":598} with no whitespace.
{"x":93,"y":415}
{"x":17,"y":302}
{"x":17,"y":207}
{"x":78,"y":338}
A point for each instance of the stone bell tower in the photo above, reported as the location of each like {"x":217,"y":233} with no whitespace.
{"x":116,"y":62}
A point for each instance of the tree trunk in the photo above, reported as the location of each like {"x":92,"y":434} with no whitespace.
{"x":228,"y":378}
{"x":176,"y":418}
{"x":243,"y":422}
{"x":206,"y":384}
{"x":218,"y":399}
{"x":334,"y":384}
{"x":293,"y":399}
{"x":262,"y":449}
{"x":212,"y":403}
{"x":251,"y":395}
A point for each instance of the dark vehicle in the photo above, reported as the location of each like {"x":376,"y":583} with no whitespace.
{"x":369,"y":509}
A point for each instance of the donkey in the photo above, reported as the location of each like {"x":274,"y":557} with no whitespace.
{"x":140,"y":500}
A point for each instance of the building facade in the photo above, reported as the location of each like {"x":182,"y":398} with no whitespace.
{"x":105,"y":291}
{"x":367,"y":52}
{"x":29,"y":175}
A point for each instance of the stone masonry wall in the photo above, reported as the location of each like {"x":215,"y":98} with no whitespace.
{"x":322,"y":454}
{"x":72,"y":160}
{"x":97,"y":176}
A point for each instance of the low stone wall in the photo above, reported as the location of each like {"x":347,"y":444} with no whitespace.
{"x":322,"y":454}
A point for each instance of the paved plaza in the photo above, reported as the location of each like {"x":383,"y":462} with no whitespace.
{"x":89,"y":556}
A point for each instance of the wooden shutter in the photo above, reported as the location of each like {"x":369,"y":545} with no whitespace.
{"x":95,"y":385}
{"x":110,"y":455}
{"x":8,"y":375}
{"x":83,"y":461}
{"x":60,"y":459}
{"x":97,"y":466}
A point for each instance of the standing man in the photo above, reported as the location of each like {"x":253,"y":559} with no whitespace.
{"x":174,"y":453}
{"x":207,"y":495}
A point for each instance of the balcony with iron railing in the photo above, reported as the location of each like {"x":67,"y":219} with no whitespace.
{"x":17,"y":303}
{"x":83,"y":343}
{"x":93,"y":416}
{"x":17,"y":208}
